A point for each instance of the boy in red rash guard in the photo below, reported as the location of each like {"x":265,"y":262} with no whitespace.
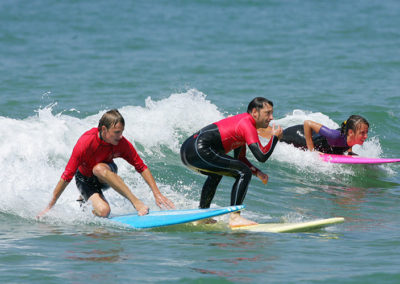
{"x":206,"y":152}
{"x":92,"y":164}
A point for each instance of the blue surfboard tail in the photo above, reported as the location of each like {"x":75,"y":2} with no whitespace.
{"x":172,"y":217}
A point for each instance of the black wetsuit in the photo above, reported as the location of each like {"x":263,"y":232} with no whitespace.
{"x":295,"y":135}
{"x":204,"y":152}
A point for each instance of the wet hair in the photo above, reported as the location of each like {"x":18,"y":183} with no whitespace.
{"x":353,"y":123}
{"x":111,"y":118}
{"x":258,"y":103}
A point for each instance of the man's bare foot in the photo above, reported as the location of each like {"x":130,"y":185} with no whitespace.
{"x":205,"y":221}
{"x":236,"y":220}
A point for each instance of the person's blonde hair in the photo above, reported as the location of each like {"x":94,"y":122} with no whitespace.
{"x":111,"y":118}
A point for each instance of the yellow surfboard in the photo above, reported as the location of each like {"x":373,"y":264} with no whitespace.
{"x":291,"y":227}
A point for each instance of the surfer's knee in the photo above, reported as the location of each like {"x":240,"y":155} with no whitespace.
{"x":100,"y":170}
{"x":246,"y":174}
{"x":101,"y":207}
{"x":102,"y":210}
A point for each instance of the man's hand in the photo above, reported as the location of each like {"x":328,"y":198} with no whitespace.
{"x":41,"y":214}
{"x":263,"y":177}
{"x":162,"y":201}
{"x":278,"y":132}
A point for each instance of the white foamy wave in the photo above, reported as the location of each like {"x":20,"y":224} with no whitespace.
{"x":34,"y":152}
{"x":371,"y":148}
{"x":298,"y":116}
{"x":168,"y":121}
{"x":306,"y":161}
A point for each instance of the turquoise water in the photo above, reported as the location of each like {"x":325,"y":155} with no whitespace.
{"x":171,"y":67}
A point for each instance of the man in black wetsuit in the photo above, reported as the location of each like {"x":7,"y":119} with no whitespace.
{"x":206,"y":152}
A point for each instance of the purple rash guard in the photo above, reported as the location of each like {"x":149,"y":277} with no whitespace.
{"x":334,"y":137}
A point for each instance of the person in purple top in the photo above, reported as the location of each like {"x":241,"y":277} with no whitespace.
{"x":315,"y":136}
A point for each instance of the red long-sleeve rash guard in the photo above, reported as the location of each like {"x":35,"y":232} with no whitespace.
{"x":91,"y":150}
{"x":237,"y":131}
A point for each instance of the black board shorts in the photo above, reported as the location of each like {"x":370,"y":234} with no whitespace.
{"x":91,"y":185}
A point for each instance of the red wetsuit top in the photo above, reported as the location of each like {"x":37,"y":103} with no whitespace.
{"x":237,"y":131}
{"x":91,"y":150}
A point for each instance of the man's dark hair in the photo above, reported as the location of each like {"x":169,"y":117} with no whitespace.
{"x":258,"y":103}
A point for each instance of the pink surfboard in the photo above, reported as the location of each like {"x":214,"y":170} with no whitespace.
{"x":343,"y":159}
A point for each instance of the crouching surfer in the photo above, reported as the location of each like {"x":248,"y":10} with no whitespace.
{"x":206,"y":152}
{"x":92,"y":164}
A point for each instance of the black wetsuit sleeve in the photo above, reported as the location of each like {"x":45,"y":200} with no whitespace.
{"x":240,"y":154}
{"x":258,"y":152}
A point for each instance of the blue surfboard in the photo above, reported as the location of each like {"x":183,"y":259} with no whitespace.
{"x":172,"y":217}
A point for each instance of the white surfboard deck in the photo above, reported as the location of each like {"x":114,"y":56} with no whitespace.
{"x":291,"y":227}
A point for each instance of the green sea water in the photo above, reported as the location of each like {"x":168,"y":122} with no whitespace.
{"x":172,"y":67}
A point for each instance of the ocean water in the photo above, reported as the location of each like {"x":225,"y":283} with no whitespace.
{"x":172,"y":67}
